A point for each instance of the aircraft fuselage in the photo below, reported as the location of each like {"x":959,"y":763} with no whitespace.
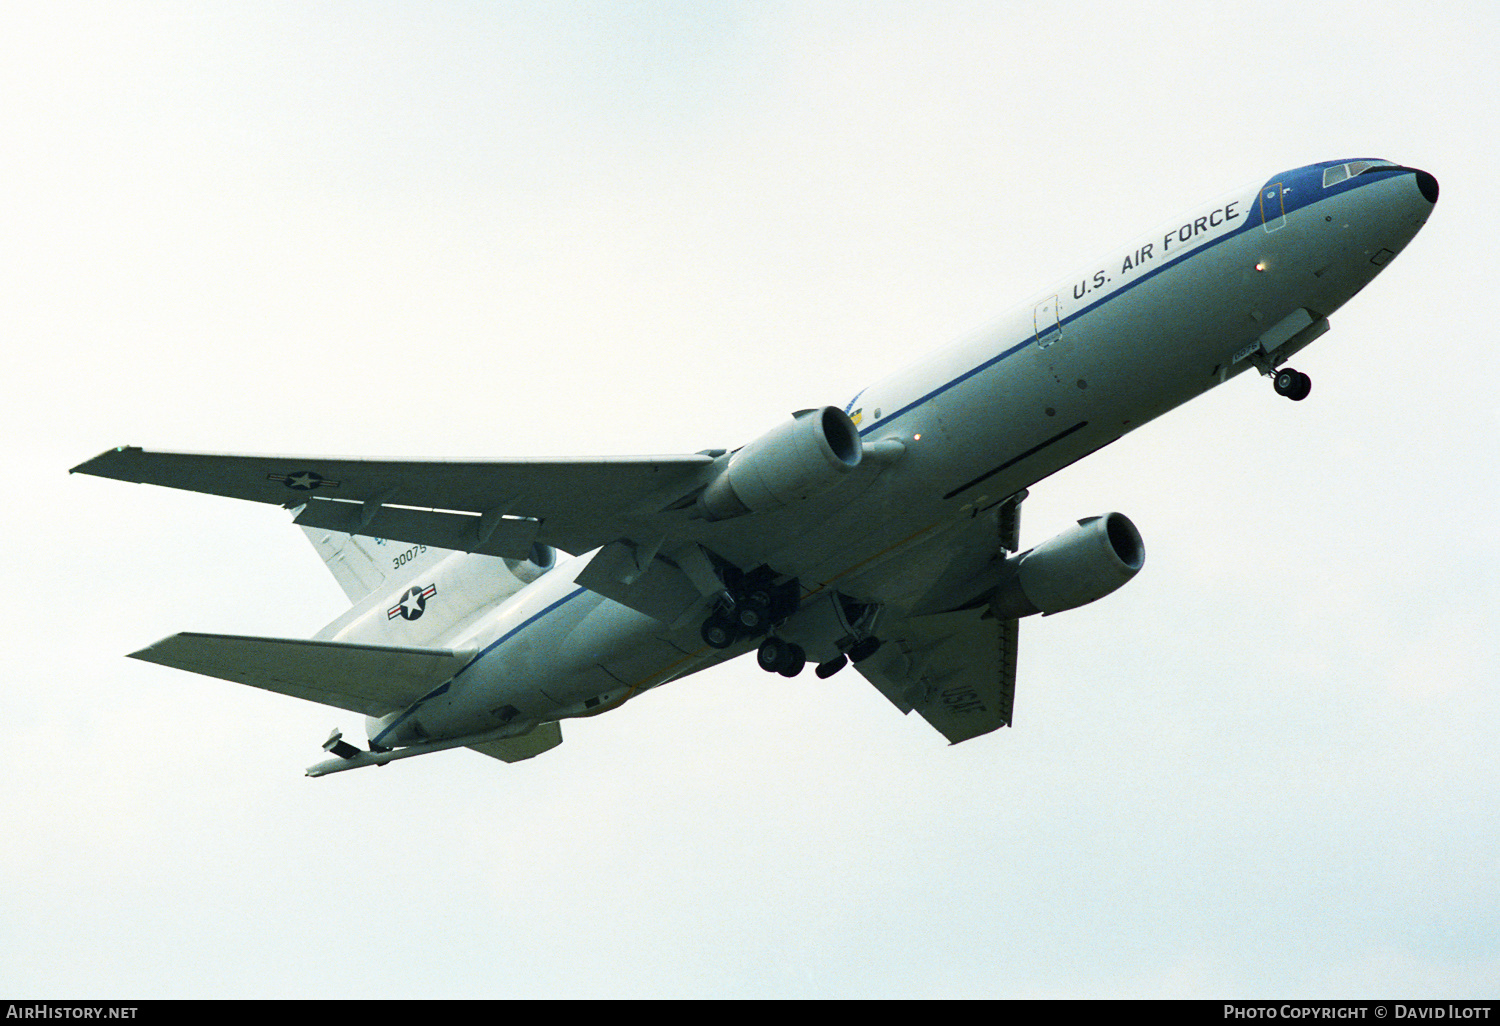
{"x":1240,"y":282}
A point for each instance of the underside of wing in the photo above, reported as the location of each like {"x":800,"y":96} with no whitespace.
{"x":957,"y":670}
{"x":368,"y":679}
{"x":494,"y":507}
{"x":657,"y":552}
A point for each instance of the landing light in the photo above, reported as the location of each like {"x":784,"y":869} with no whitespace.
{"x":1261,"y":266}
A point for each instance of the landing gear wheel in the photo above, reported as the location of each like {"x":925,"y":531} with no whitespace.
{"x":754,"y":611}
{"x":794,"y":663}
{"x":718,"y":632}
{"x":828,"y":669}
{"x":864,"y":650}
{"x":770,"y":654}
{"x":783,"y":657}
{"x":1293,"y":384}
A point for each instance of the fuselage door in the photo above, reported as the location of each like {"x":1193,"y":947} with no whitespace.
{"x":1048,"y":322}
{"x":1272,"y":207}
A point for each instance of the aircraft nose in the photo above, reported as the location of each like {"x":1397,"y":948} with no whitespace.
{"x":1427,"y":184}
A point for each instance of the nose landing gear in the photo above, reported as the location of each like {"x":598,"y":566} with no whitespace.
{"x":1293,"y":384}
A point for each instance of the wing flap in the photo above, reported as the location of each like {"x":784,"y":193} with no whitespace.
{"x":468,"y":532}
{"x":956,"y":670}
{"x":368,"y":679}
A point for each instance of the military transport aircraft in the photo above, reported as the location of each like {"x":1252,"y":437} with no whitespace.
{"x":882,"y":533}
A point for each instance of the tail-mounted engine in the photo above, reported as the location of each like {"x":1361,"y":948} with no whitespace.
{"x":1082,"y":564}
{"x":799,"y":458}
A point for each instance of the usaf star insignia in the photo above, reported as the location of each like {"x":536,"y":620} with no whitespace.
{"x":413,"y":604}
{"x":303,"y":480}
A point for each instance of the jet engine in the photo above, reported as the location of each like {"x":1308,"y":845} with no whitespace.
{"x":794,"y":460}
{"x":1082,"y":564}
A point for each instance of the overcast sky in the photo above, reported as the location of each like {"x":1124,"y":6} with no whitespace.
{"x":1265,"y":768}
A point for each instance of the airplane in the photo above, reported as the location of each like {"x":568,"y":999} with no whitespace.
{"x":882,"y":533}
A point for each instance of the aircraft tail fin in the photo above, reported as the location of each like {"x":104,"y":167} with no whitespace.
{"x":363,"y":565}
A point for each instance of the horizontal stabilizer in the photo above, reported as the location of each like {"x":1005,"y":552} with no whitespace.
{"x":545,"y":737}
{"x":369,"y":679}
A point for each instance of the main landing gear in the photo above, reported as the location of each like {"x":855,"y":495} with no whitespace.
{"x":777,"y":655}
{"x":754,"y":605}
{"x":1293,"y":384}
{"x":753,"y":614}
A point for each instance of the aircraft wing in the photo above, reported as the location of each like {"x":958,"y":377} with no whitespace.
{"x":368,"y":679}
{"x":957,"y":670}
{"x":492,"y":507}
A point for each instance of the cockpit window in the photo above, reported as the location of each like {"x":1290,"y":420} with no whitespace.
{"x":1342,"y":172}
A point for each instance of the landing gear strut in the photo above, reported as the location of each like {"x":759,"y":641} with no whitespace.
{"x":1293,"y":384}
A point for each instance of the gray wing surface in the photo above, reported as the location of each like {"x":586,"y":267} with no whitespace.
{"x":493,"y":507}
{"x":956,"y":670}
{"x":637,"y":510}
{"x":369,"y":679}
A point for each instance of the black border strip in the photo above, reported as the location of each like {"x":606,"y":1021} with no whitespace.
{"x":1017,"y":459}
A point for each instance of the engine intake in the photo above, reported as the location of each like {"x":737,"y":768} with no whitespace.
{"x":794,"y":460}
{"x":1079,"y":566}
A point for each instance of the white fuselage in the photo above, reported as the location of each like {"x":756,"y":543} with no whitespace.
{"x":1238,"y":282}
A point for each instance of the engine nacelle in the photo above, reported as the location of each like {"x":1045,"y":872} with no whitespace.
{"x":1082,"y":564}
{"x":794,"y":460}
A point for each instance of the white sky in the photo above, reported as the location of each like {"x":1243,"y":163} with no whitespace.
{"x":1265,"y":768}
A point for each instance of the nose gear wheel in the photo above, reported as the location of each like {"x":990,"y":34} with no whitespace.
{"x":1293,"y":384}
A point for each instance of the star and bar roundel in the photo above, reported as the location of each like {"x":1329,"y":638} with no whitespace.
{"x":413,"y":603}
{"x":303,"y":480}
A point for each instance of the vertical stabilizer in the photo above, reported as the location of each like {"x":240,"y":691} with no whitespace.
{"x":363,"y":565}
